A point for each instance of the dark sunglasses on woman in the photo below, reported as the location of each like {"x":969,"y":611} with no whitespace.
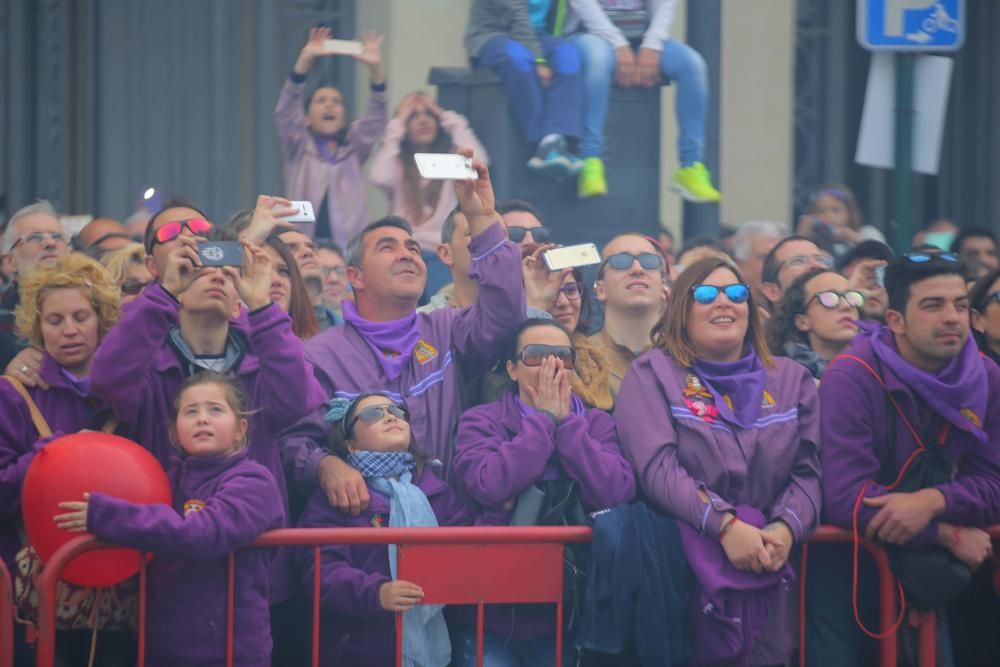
{"x":376,"y":413}
{"x":517,"y":234}
{"x":706,"y":294}
{"x":536,"y":353}
{"x":831,"y":298}
{"x":132,"y":287}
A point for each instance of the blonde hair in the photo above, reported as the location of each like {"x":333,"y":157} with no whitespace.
{"x":117,"y":262}
{"x":672,"y":332}
{"x":71,"y":271}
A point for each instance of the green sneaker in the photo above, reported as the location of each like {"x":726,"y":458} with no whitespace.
{"x":694,"y":184}
{"x":592,"y":183}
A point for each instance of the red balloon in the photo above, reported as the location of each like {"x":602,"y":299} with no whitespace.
{"x":65,"y":469}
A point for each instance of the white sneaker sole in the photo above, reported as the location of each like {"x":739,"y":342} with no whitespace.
{"x":687,"y":195}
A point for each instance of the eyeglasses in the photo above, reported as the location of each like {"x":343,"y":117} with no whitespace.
{"x":534,"y":354}
{"x":571,"y":291}
{"x":37,"y":238}
{"x":376,"y":413}
{"x":540,"y":234}
{"x":921,"y":257}
{"x":622,"y":261}
{"x":831,"y":298}
{"x":339,"y":270}
{"x":132,"y":287}
{"x":798,"y":261}
{"x":171,"y":230}
{"x":706,"y":294}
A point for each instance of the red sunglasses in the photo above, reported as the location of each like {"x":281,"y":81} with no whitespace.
{"x":171,"y":230}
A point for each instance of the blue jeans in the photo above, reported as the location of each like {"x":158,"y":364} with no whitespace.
{"x":538,"y":111}
{"x":504,"y":652}
{"x":678,"y":62}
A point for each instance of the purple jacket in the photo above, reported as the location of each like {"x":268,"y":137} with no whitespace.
{"x":65,"y":410}
{"x":773,"y":467}
{"x":855,"y":428}
{"x":499,"y":453}
{"x":139,"y":374}
{"x":308,"y":176}
{"x":458,"y":341}
{"x":355,"y":629}
{"x":221,"y":504}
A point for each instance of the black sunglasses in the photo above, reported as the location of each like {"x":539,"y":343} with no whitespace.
{"x":517,"y":234}
{"x":622,"y":261}
{"x":131,"y":287}
{"x":536,"y":353}
{"x":376,"y":413}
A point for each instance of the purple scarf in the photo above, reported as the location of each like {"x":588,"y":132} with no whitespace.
{"x":396,"y":336}
{"x":742,"y":381}
{"x":80,"y":386}
{"x":952,"y":392}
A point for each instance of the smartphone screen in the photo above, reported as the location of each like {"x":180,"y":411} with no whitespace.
{"x":445,"y":166}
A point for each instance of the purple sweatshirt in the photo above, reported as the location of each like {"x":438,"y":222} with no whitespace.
{"x":66,"y":412}
{"x":308,"y":176}
{"x":773,"y":466}
{"x":355,"y":629}
{"x":221,"y":504}
{"x":455,"y":341}
{"x":499,"y":453}
{"x":139,"y":374}
{"x":855,"y":429}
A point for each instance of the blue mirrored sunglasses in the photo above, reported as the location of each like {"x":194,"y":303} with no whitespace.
{"x":921,"y":257}
{"x":706,"y":294}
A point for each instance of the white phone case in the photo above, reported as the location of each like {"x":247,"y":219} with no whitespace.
{"x":571,"y":256}
{"x":338,"y":47}
{"x":445,"y":166}
{"x":305,"y":213}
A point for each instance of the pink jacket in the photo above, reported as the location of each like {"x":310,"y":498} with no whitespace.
{"x":309,"y":177}
{"x":387,"y":173}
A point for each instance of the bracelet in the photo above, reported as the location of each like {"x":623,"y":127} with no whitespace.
{"x":728,"y":527}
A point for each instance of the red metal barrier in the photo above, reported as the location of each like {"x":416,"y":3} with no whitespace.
{"x":420,"y":559}
{"x":6,"y":616}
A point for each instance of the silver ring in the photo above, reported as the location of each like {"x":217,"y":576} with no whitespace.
{"x":24,"y":369}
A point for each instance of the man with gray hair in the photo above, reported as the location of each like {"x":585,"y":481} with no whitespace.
{"x":752,"y":242}
{"x":34,"y":237}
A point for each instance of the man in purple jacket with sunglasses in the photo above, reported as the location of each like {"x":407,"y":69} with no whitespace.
{"x":418,"y":359}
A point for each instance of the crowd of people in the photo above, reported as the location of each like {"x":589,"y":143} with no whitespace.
{"x":703,"y":409}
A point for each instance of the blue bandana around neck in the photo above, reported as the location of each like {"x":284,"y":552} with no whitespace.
{"x":398,"y":337}
{"x":425,"y":634}
{"x":957,"y":392}
{"x":741,"y":381}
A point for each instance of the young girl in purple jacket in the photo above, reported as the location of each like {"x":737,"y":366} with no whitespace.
{"x":223,"y":501}
{"x":359,"y":591}
{"x":539,"y":431}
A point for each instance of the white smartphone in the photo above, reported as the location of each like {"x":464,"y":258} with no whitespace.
{"x":338,"y":47}
{"x":445,"y":166}
{"x":571,"y":256}
{"x":305,"y":212}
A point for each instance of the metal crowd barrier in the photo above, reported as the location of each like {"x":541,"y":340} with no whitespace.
{"x":462,"y":565}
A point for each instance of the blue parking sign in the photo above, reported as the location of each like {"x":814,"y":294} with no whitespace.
{"x":911,"y":25}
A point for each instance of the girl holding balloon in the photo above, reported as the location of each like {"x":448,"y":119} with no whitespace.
{"x":222,"y":501}
{"x":65,"y":312}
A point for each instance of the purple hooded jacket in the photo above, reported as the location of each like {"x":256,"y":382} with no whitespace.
{"x":855,"y":429}
{"x":457,"y":341}
{"x":354,"y":628}
{"x":773,"y":466}
{"x":221,"y":504}
{"x":499,"y":453}
{"x":66,"y":412}
{"x":139,"y":374}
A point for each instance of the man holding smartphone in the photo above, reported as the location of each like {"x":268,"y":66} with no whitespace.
{"x":323,"y":154}
{"x":421,"y":359}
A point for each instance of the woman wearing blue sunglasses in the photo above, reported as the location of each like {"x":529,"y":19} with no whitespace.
{"x":725,"y":439}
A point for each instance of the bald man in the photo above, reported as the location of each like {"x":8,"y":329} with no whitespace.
{"x":102,"y":235}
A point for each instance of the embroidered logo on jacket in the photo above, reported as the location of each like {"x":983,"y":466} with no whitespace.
{"x":193,"y":505}
{"x":969,"y":414}
{"x":767,"y":401}
{"x":380,"y":520}
{"x":424,"y":352}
